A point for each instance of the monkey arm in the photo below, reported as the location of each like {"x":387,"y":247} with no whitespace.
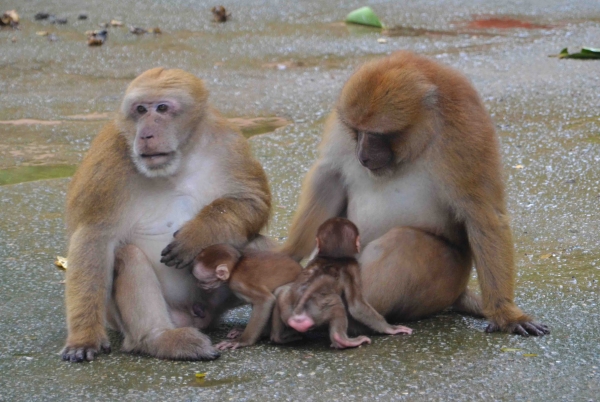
{"x":91,"y":258}
{"x":234,"y":218}
{"x":323,"y":196}
{"x":491,"y":242}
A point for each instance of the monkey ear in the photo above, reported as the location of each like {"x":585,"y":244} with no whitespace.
{"x":222,"y":272}
{"x":318,"y":245}
{"x":358,"y":244}
{"x":430,"y":99}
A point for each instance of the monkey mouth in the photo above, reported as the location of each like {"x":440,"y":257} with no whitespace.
{"x":157,"y":159}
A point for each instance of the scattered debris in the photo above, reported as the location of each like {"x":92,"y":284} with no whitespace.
{"x":9,"y":18}
{"x":42,"y":33}
{"x":61,"y":262}
{"x":529,"y":354}
{"x":284,"y":65}
{"x":82,"y":17}
{"x":510,"y":349}
{"x":200,"y":375}
{"x":546,"y":256}
{"x":41,"y":16}
{"x":220,"y":14}
{"x":137,"y":30}
{"x":103,"y":25}
{"x":116,"y":23}
{"x":364,"y":16}
{"x":518,"y":167}
{"x":141,"y":31}
{"x":381,"y":40}
{"x":96,"y":38}
{"x":60,"y":21}
{"x":586,"y":53}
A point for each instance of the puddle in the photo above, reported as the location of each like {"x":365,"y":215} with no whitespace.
{"x":258,"y":125}
{"x":30,"y":173}
{"x":504,"y":23}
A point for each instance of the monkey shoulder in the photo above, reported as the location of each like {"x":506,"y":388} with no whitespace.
{"x":98,"y":186}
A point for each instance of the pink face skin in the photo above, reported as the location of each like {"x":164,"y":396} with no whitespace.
{"x":301,"y":322}
{"x":157,"y":139}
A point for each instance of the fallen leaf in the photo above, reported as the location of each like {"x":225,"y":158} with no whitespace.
{"x":545,"y":256}
{"x":116,"y":23}
{"x":42,"y":33}
{"x":518,"y":167}
{"x":61,"y":262}
{"x":364,"y":16}
{"x":585,"y":53}
{"x":382,"y":40}
{"x":510,"y":349}
{"x":530,"y":354}
{"x":200,"y":375}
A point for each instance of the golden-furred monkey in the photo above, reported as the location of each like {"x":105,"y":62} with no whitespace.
{"x":410,"y":155}
{"x":167,"y":178}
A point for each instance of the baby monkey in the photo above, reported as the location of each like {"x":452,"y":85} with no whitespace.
{"x":252,"y":276}
{"x":315,"y":297}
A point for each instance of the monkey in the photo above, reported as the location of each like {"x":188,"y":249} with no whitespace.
{"x":315,"y":298}
{"x":168,"y":173}
{"x":252,"y":276}
{"x":410,"y":155}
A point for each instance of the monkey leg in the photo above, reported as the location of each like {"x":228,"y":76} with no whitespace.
{"x":144,"y":314}
{"x":338,"y":328}
{"x":408,"y":274}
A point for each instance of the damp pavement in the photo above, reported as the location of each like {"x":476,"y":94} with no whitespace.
{"x":287,"y":61}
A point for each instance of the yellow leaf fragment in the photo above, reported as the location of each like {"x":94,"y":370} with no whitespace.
{"x":510,"y":349}
{"x":61,"y":262}
{"x":530,"y":354}
{"x":518,"y":167}
{"x":42,"y":33}
{"x":545,"y":256}
{"x":200,"y":375}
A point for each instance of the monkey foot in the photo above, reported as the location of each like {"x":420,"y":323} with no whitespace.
{"x":235,"y":333}
{"x":398,"y":329}
{"x":77,"y":354}
{"x":185,"y":343}
{"x":521,"y":328}
{"x":340,"y":342}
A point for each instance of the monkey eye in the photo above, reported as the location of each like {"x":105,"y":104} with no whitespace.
{"x":162,"y":108}
{"x":140,"y":109}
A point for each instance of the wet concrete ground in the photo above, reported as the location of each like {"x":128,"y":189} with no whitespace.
{"x":290,"y":59}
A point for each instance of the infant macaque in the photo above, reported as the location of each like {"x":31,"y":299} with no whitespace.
{"x":315,"y":297}
{"x":252,"y":276}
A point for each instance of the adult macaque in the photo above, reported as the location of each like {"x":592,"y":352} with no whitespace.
{"x":410,"y":155}
{"x":315,"y":298}
{"x":252,"y":276}
{"x":168,"y":173}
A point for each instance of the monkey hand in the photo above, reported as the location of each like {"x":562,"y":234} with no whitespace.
{"x":398,"y":329}
{"x":231,"y":345}
{"x":523,"y":328}
{"x":187,"y":244}
{"x":76,"y":352}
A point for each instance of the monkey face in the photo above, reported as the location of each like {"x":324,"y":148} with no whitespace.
{"x":160,"y":110}
{"x":388,"y":107}
{"x":155,"y":148}
{"x":374,"y":151}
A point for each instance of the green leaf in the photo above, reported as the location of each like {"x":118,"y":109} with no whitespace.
{"x":364,"y":16}
{"x":586,"y":53}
